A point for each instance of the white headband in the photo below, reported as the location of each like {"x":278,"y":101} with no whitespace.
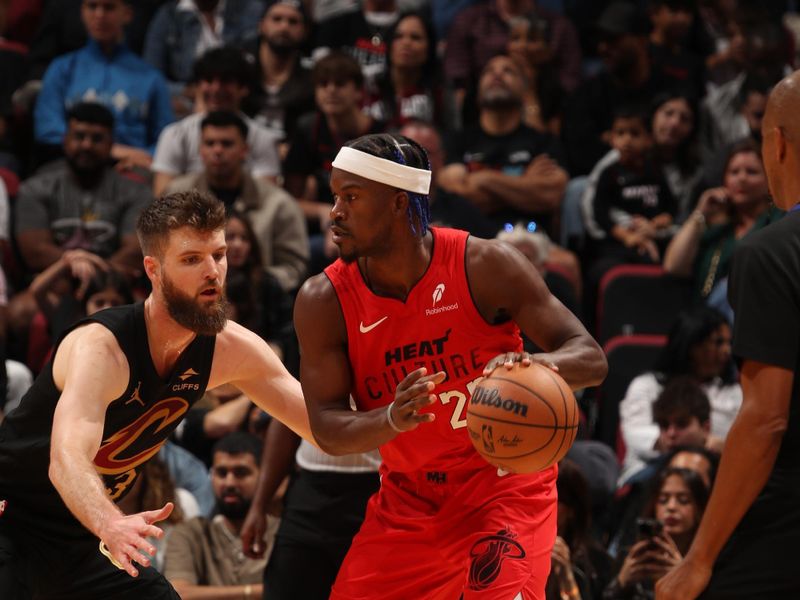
{"x":381,"y":170}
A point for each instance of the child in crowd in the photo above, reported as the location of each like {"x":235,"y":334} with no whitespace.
{"x":633,"y":204}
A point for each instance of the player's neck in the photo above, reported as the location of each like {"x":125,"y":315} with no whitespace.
{"x":396,"y":273}
{"x":351,"y":122}
{"x":165,"y":338}
{"x":276,"y":68}
{"x":234,"y":526}
{"x":501,"y":121}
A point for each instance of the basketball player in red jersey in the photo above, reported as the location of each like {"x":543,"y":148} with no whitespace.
{"x":407,"y":321}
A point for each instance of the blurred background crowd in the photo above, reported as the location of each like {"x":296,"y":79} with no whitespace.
{"x":616,"y":144}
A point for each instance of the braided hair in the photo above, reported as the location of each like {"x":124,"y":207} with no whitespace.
{"x":404,"y":151}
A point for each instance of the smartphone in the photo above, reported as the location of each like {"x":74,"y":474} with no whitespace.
{"x":649,"y":528}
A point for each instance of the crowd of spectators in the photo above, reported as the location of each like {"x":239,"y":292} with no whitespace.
{"x":587,"y":134}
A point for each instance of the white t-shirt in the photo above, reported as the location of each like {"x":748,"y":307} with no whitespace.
{"x":178,"y":148}
{"x":312,"y":458}
{"x":636,"y":417}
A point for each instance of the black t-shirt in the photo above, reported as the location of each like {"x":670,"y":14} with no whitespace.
{"x":764,"y":292}
{"x":227,"y":196}
{"x":364,"y":41}
{"x":279,"y":109}
{"x":622,"y":193}
{"x":679,"y":70}
{"x":510,"y":153}
{"x":422,"y":103}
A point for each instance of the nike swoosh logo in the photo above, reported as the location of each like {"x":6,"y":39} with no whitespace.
{"x":367,"y":328}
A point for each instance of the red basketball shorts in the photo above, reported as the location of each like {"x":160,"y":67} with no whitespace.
{"x":437,"y":535}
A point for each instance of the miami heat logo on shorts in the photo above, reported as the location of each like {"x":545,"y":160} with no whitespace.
{"x":488,"y":554}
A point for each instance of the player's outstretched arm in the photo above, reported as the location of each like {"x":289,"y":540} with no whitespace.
{"x":751,"y":448}
{"x":246,"y":361}
{"x":92,"y":371}
{"x":506,"y":285}
{"x":325,"y":374}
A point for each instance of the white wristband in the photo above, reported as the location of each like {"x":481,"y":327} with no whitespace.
{"x":389,"y":418}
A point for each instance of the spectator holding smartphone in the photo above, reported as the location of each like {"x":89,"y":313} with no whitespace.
{"x":703,"y":246}
{"x":669,"y":523}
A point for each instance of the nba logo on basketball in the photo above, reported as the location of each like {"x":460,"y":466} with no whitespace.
{"x":488,"y":438}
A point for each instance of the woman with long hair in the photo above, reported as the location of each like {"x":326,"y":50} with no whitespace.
{"x":256,"y":298}
{"x":702,"y":248}
{"x":410,"y":89}
{"x":527,"y":46}
{"x":674,"y":129}
{"x":667,"y":528}
{"x":698,"y":345}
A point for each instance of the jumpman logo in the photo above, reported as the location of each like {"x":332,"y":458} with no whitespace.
{"x":135,"y":397}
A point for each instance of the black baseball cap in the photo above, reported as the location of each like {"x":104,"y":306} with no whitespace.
{"x":295,"y":4}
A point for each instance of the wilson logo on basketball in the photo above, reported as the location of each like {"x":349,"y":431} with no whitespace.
{"x":490,"y":397}
{"x":488,"y":554}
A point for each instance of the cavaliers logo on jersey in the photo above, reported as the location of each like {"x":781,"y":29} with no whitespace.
{"x":488,"y":554}
{"x":133,"y":445}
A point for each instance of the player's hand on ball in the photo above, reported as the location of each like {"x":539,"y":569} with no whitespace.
{"x":413,"y":394}
{"x":124,"y":538}
{"x":509,"y":359}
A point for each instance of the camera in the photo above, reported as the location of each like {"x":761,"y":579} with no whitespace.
{"x":649,"y":528}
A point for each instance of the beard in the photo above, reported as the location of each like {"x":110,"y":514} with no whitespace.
{"x":235,"y":511}
{"x":499,"y":100}
{"x":208,"y":319}
{"x":87,"y":166}
{"x":281,"y":45}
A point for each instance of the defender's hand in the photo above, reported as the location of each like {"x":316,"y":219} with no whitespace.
{"x":124,"y":537}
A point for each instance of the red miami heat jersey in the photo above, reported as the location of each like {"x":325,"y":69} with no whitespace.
{"x":437,"y":327}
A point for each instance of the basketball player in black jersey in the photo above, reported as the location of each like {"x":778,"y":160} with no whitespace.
{"x":119,"y":382}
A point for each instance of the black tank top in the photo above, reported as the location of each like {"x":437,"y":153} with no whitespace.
{"x":137,"y":423}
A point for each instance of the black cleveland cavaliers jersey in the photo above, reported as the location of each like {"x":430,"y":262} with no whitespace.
{"x":137,"y":423}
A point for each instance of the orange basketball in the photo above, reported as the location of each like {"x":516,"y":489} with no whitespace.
{"x":524,"y":419}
